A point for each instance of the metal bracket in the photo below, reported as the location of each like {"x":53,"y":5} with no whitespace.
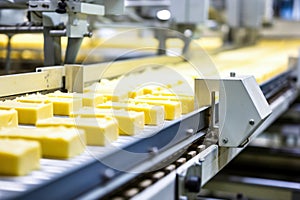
{"x":242,"y":107}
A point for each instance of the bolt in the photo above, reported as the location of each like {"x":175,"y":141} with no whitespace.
{"x":108,"y":174}
{"x":251,"y":122}
{"x":225,"y":140}
{"x":190,"y":131}
{"x":232,"y":74}
{"x":153,"y":150}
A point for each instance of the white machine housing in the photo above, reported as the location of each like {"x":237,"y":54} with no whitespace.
{"x":242,"y":107}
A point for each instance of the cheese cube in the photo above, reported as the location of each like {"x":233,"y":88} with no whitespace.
{"x":56,"y":142}
{"x":172,"y":108}
{"x":130,"y":122}
{"x":154,"y":115}
{"x":8,"y":117}
{"x":19,"y":157}
{"x":65,"y":106}
{"x":99,"y":131}
{"x":29,"y":113}
{"x":187,"y":102}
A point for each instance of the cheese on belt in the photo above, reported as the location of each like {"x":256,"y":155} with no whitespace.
{"x":130,"y":122}
{"x":29,"y":113}
{"x":172,"y":108}
{"x":8,"y":117}
{"x":187,"y":102}
{"x":56,"y":142}
{"x":19,"y":157}
{"x":99,"y":131}
{"x":154,"y":115}
{"x":61,"y":106}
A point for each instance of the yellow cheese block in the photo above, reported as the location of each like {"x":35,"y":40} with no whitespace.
{"x":172,"y":108}
{"x":61,"y":105}
{"x":154,"y":115}
{"x":65,"y":106}
{"x":8,"y":117}
{"x":29,"y":113}
{"x":19,"y":157}
{"x":56,"y":142}
{"x":130,"y":122}
{"x":99,"y":131}
{"x":187,"y":102}
{"x":88,"y":99}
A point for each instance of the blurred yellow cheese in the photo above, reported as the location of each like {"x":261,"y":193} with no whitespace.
{"x":29,"y":113}
{"x":130,"y":122}
{"x":154,"y":115}
{"x":172,"y":108}
{"x":19,"y":157}
{"x":108,"y":91}
{"x":8,"y":117}
{"x":56,"y":142}
{"x":99,"y":131}
{"x":187,"y":102}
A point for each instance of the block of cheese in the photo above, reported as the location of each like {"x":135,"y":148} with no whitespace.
{"x":8,"y":117}
{"x":130,"y":122}
{"x":88,"y":99}
{"x":65,"y":106}
{"x":154,"y":115}
{"x":56,"y":142}
{"x":19,"y":157}
{"x":172,"y":108}
{"x":99,"y":131}
{"x":29,"y":113}
{"x":61,"y":105}
{"x":187,"y":102}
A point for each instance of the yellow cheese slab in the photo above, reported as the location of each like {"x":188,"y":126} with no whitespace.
{"x":154,"y":115}
{"x":172,"y":108}
{"x":56,"y":142}
{"x":187,"y":102}
{"x":8,"y":117}
{"x":99,"y":131}
{"x":130,"y":122}
{"x":29,"y":113}
{"x":19,"y":157}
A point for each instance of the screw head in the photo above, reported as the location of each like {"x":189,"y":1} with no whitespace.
{"x":225,"y":140}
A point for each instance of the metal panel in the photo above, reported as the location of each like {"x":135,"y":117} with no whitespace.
{"x":31,"y":82}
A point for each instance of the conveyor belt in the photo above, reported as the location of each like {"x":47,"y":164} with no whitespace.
{"x":88,"y":168}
